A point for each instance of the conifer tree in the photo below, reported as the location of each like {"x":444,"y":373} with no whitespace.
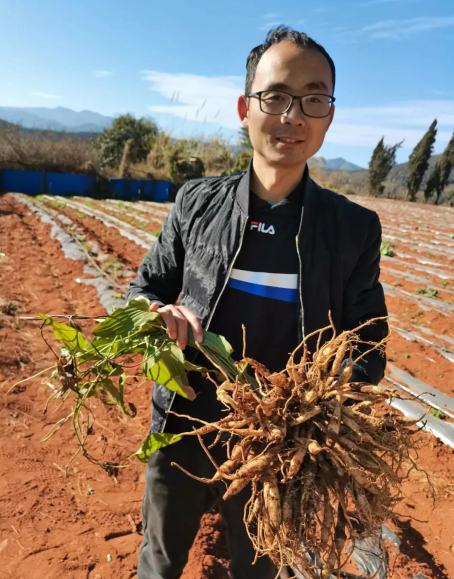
{"x":434,"y":181}
{"x":440,"y":173}
{"x":419,"y":161}
{"x":382,"y":160}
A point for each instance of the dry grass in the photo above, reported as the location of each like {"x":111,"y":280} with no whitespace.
{"x":46,"y":151}
{"x":51,"y":151}
{"x":215,"y":153}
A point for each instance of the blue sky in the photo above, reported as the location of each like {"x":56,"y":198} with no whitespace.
{"x":183,"y":63}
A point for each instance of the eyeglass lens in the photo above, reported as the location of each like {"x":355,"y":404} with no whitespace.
{"x":276,"y":103}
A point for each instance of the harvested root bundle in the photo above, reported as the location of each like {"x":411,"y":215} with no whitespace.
{"x":324,"y":467}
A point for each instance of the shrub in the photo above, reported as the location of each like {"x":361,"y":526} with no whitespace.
{"x":112,"y":141}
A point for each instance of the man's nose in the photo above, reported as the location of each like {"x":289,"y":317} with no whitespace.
{"x":294,"y":116}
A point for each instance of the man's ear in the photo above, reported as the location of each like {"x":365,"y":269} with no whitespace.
{"x":243,"y":111}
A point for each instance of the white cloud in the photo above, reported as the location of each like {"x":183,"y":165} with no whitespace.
{"x":46,"y":95}
{"x":400,"y":28}
{"x":416,"y":114}
{"x":198,"y":98}
{"x":408,"y":121}
{"x":213,"y":99}
{"x":369,"y":135}
{"x":103,"y":73}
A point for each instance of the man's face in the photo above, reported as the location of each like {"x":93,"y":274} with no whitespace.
{"x":289,"y":68}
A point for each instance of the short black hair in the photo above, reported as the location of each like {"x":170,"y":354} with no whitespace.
{"x":276,"y":35}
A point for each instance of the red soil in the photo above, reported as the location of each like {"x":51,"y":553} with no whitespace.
{"x":109,"y":239}
{"x":131,"y":210}
{"x":54,"y":524}
{"x":142,"y":222}
{"x":57,"y":520}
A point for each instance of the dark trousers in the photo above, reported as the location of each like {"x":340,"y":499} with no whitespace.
{"x":173,"y":506}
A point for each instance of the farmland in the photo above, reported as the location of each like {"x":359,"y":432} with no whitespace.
{"x":61,"y":515}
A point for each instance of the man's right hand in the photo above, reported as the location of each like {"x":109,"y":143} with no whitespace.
{"x":177,"y":319}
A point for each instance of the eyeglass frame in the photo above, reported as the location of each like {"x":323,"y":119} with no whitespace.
{"x":294,"y":98}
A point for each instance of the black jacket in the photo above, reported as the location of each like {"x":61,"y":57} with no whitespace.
{"x":339,"y":253}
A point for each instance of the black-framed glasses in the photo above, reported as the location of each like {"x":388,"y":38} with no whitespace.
{"x":276,"y":102}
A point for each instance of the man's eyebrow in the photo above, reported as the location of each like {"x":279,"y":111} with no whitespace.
{"x":316,"y":85}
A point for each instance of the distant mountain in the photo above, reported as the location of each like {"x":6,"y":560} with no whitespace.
{"x":56,"y":119}
{"x":338,"y":164}
{"x":399,"y":173}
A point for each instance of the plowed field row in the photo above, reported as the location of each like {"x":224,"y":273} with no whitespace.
{"x":68,"y":538}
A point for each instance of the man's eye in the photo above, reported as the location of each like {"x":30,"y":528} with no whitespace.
{"x":274,"y":98}
{"x":313,"y":99}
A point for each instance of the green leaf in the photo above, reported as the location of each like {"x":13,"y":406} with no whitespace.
{"x":105,"y":368}
{"x":189,"y":367}
{"x":386,"y":248}
{"x":150,"y":358}
{"x":128,"y":319}
{"x":108,"y":369}
{"x":218,"y":351}
{"x":217,"y":343}
{"x":115,"y":393}
{"x":73,"y":340}
{"x":154,"y":442}
{"x":112,"y":346}
{"x":169,"y":371}
{"x":154,"y":327}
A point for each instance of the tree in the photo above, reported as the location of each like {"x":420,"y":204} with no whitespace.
{"x":419,"y":161}
{"x":242,"y":161}
{"x":245,"y":141}
{"x":112,"y":141}
{"x":246,"y":151}
{"x":382,"y":160}
{"x":440,"y":173}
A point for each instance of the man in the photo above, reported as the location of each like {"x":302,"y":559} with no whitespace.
{"x":268,"y":249}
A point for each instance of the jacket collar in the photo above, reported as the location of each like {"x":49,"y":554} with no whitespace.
{"x":243,"y":191}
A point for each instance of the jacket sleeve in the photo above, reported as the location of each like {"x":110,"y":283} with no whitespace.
{"x":161,"y":272}
{"x":363,"y":300}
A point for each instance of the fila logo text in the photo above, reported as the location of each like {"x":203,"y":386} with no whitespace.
{"x":262,"y":227}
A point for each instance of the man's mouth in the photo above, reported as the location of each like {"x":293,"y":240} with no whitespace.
{"x":289,"y":140}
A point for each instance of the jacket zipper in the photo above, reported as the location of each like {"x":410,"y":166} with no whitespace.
{"x":300,"y":284}
{"x":215,"y":305}
{"x":301,"y":271}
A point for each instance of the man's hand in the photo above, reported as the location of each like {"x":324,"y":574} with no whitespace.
{"x":177,"y":319}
